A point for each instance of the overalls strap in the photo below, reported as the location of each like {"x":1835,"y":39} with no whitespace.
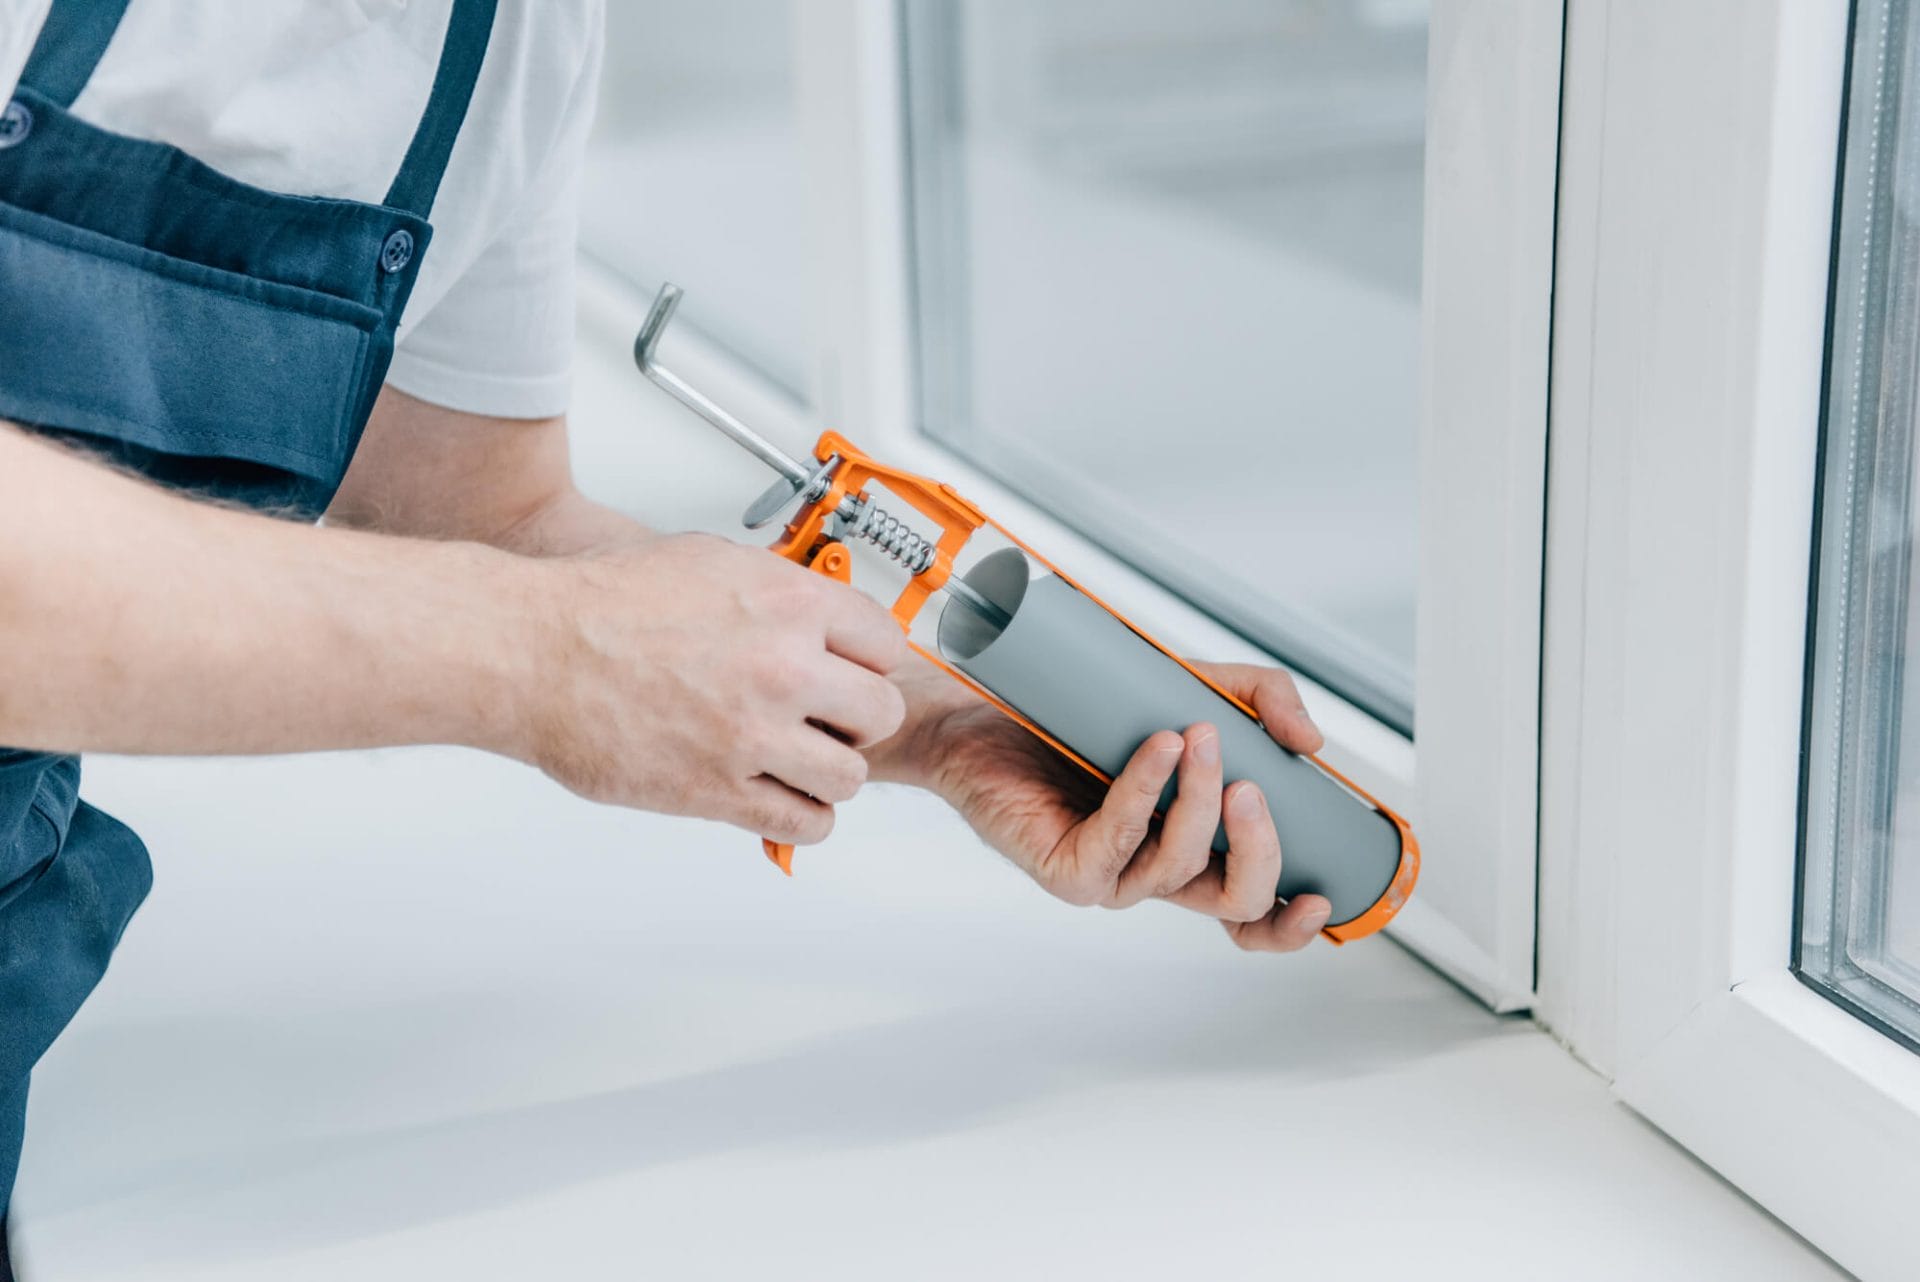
{"x":418,"y":181}
{"x":75,"y":35}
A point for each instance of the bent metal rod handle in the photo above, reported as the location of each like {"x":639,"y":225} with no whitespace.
{"x":859,"y":515}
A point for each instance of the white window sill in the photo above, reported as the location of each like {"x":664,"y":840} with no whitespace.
{"x":451,"y":1022}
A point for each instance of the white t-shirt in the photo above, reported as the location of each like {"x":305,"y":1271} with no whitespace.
{"x":321,"y":98}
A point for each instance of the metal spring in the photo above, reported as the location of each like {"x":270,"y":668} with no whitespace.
{"x":894,"y":537}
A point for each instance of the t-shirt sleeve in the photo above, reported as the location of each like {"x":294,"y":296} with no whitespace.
{"x":500,"y":340}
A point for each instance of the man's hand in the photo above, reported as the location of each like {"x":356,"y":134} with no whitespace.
{"x":693,"y":676}
{"x":1089,"y":845}
{"x":683,"y":674}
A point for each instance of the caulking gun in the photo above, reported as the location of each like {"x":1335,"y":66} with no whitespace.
{"x":1029,"y":639}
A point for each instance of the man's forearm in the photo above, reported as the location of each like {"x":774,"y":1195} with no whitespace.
{"x":132,"y":620}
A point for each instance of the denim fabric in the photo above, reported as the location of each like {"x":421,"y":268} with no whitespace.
{"x":217,"y":337}
{"x":70,"y":879}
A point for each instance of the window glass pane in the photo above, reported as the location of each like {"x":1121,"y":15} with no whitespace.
{"x":694,"y":172}
{"x":1860,"y":889}
{"x":1168,"y":281}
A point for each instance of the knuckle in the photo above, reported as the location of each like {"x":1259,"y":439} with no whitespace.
{"x":889,"y":642}
{"x":1277,"y":695}
{"x":1291,"y":698}
{"x":893,"y":711}
{"x":748,"y":748}
{"x":792,"y":822}
{"x":760,"y":817}
{"x":812,"y":826}
{"x":1243,"y":908}
{"x":1080,"y":893}
{"x":811,"y":601}
{"x":846,"y":779}
{"x":882,"y":711}
{"x":791,"y":598}
{"x":778,"y":672}
{"x":1185,"y":868}
{"x":840,"y":600}
{"x":1127,"y":834}
{"x":1142,"y":794}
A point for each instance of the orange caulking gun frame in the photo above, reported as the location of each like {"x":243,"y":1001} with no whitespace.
{"x":833,"y":486}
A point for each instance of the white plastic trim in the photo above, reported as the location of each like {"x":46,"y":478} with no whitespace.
{"x":1698,"y":163}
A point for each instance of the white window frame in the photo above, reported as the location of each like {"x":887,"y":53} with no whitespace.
{"x":1471,"y":787}
{"x":1698,"y":161}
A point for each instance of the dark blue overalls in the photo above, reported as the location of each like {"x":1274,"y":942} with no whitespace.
{"x":221,"y":339}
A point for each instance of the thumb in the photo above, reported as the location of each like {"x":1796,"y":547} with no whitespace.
{"x":1274,"y":697}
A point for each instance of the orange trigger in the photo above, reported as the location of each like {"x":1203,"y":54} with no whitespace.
{"x":832,"y":560}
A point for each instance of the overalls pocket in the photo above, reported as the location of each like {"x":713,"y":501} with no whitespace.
{"x":109,"y":341}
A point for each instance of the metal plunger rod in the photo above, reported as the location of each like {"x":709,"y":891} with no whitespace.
{"x":850,"y":509}
{"x":755,"y":444}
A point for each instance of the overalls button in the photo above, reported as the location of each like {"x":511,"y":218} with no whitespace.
{"x":397,"y":252}
{"x":16,"y":122}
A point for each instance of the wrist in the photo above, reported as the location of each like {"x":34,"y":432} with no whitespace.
{"x":514,"y":654}
{"x":535,"y":572}
{"x":912,"y":755}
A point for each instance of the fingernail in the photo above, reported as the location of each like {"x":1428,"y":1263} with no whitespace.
{"x":1246,"y":803}
{"x":1206,"y":750}
{"x":1317,"y":920}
